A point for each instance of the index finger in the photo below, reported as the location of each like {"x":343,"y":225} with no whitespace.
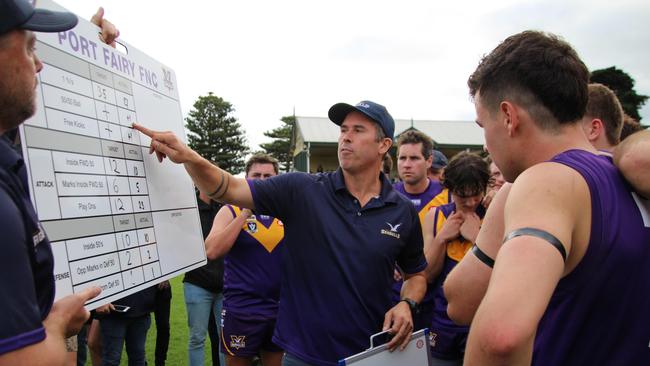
{"x":89,"y":293}
{"x":143,"y":129}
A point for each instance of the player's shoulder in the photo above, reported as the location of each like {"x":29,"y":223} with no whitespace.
{"x":548,"y":174}
{"x":546,"y":182}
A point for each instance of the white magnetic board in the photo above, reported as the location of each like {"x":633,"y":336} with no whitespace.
{"x":416,"y":353}
{"x":116,"y":218}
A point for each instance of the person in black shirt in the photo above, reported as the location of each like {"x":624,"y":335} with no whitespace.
{"x":203,"y":288}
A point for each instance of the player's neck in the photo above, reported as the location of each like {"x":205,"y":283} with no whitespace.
{"x":418,"y":187}
{"x":547,"y":145}
{"x":602,"y":144}
{"x":363,"y":185}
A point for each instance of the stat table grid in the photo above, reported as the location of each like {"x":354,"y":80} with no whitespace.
{"x":87,"y":163}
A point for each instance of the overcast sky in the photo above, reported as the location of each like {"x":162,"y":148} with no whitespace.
{"x":269,"y":57}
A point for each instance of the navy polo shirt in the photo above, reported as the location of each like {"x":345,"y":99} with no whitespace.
{"x":338,"y":265}
{"x":27,"y":281}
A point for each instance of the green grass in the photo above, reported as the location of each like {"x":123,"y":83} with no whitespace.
{"x":177,"y":353}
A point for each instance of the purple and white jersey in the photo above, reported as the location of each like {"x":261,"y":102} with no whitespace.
{"x":599,"y":314}
{"x":252,"y":268}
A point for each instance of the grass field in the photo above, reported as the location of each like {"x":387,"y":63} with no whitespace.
{"x":177,"y":354}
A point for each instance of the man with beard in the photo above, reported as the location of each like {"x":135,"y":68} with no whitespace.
{"x":32,"y":327}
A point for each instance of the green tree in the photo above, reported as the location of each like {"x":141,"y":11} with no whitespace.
{"x":215,"y":134}
{"x":280,"y":147}
{"x":623,"y":85}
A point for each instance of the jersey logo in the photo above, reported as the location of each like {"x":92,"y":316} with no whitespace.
{"x":251,"y":227}
{"x":416,"y":202}
{"x":269,"y":237}
{"x":432,"y":339}
{"x":237,"y":342}
{"x":393,"y":230}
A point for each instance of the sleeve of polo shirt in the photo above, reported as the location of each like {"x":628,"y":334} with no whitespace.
{"x":411,"y":259}
{"x":20,"y":319}
{"x":276,"y":196}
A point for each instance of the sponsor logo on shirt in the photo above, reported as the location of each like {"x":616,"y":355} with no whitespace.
{"x":393,"y":230}
{"x":416,"y":201}
{"x":237,"y":342}
{"x":39,"y":236}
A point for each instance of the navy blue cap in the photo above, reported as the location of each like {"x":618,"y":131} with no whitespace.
{"x":439,"y":160}
{"x":20,"y":14}
{"x":372,"y":110}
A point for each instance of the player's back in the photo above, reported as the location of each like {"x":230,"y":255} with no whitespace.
{"x":598,"y":314}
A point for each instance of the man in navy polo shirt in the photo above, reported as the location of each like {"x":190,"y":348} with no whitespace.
{"x":32,"y":328}
{"x":344,"y":231}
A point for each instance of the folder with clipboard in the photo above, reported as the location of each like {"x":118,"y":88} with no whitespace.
{"x":416,"y":353}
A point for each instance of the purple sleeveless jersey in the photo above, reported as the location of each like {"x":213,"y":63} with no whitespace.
{"x":599,"y":314}
{"x":252,"y":268}
{"x":422,"y":203}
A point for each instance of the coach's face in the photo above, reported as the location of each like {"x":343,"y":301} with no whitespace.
{"x":497,"y":141}
{"x":19,"y":66}
{"x":359,"y":147}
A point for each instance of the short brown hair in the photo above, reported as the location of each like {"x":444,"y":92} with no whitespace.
{"x":416,"y":137}
{"x":630,"y":126}
{"x":261,"y":158}
{"x":604,"y":105}
{"x":540,"y":72}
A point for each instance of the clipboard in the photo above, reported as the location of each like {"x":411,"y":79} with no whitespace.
{"x":416,"y":353}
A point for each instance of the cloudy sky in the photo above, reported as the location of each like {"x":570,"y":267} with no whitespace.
{"x":269,"y":57}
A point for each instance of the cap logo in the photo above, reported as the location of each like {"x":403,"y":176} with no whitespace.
{"x":364,"y":105}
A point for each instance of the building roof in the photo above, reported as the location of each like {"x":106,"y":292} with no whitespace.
{"x":445,"y":133}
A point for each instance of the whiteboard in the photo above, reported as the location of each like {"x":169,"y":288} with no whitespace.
{"x":416,"y":353}
{"x":116,"y":218}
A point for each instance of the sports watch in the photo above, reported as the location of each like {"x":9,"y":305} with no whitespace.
{"x":415,"y":308}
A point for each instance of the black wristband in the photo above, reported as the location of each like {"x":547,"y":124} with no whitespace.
{"x":482,"y":256}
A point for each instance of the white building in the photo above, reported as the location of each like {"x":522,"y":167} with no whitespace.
{"x":315,"y":139}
